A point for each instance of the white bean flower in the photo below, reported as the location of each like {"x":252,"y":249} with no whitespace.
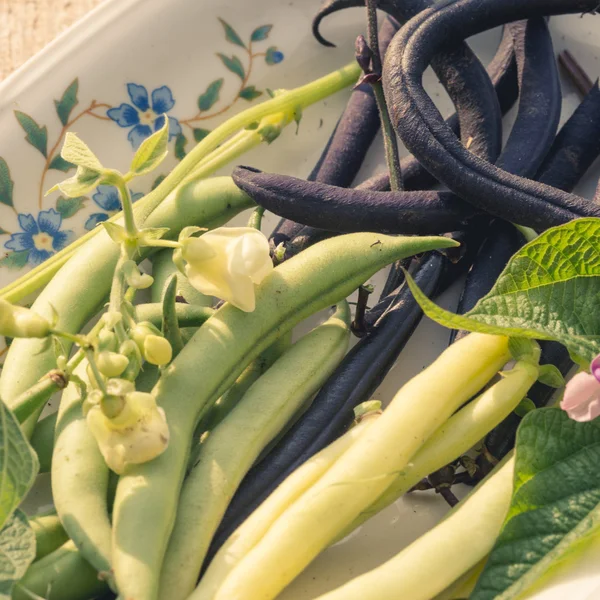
{"x":137,"y":433}
{"x":228,"y":262}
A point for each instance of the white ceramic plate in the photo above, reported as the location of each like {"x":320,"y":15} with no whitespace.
{"x":169,"y":51}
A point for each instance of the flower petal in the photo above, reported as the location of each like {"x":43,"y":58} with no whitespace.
{"x":139,"y":96}
{"x":162,"y":100}
{"x":135,"y":196}
{"x":578,"y":390}
{"x":62,"y":239}
{"x":595,"y":367}
{"x":210,"y":279}
{"x":49,"y":221}
{"x":243,"y":293}
{"x":28,"y":224}
{"x":19,"y":242}
{"x":37,"y":257}
{"x":95,"y":219}
{"x":174,"y":127}
{"x":107,"y":197}
{"x":138,"y":134}
{"x":124,"y":116}
{"x":250,"y":256}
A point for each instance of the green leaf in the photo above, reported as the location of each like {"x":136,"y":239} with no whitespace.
{"x":555,"y":507}
{"x":525,"y":406}
{"x":15,"y":260}
{"x":76,"y":151}
{"x":261,"y":33}
{"x":180,"y":143}
{"x":211,"y":95}
{"x":18,"y":464}
{"x":250,"y":93}
{"x":37,"y":136}
{"x":67,"y":207}
{"x":65,"y":105}
{"x":549,"y":290}
{"x":17,"y":552}
{"x":6,"y":184}
{"x":81,"y":184}
{"x":200,"y":134}
{"x":58,"y":163}
{"x":551,"y":376}
{"x":152,"y":151}
{"x":234,"y":64}
{"x":231,"y":35}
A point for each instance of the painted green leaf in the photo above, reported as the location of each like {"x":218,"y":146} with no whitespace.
{"x":200,"y":134}
{"x":207,"y":100}
{"x":250,"y":93}
{"x":15,"y":260}
{"x":180,"y":144}
{"x":3,"y":231}
{"x":261,"y":33}
{"x":234,"y":64}
{"x":17,"y":552}
{"x":67,"y":207}
{"x":550,"y":289}
{"x":65,"y":105}
{"x":152,"y":151}
{"x":18,"y":464}
{"x":555,"y":507}
{"x":37,"y":136}
{"x":231,"y":35}
{"x":6,"y":184}
{"x":158,"y":181}
{"x":58,"y":163}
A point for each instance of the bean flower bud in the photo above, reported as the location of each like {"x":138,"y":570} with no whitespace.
{"x":157,"y":350}
{"x":228,"y":262}
{"x":135,"y":278}
{"x":20,"y":322}
{"x":111,"y":364}
{"x":136,"y":434}
{"x":141,"y":331}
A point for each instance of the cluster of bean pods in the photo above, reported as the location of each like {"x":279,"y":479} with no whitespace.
{"x":271,"y":442}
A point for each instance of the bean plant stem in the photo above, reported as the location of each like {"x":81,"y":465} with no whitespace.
{"x":389,"y":135}
{"x":127,"y":205}
{"x":256,"y":217}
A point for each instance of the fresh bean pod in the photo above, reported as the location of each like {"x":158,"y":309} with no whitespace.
{"x":347,"y":147}
{"x":80,"y":481}
{"x":330,"y":505}
{"x":539,"y":84}
{"x":265,"y":410}
{"x":460,"y":433}
{"x":353,"y":382}
{"x":423,"y":569}
{"x":256,"y":525}
{"x":42,"y":441}
{"x":338,"y":209}
{"x":188,"y":315}
{"x":61,"y":575}
{"x":80,"y":288}
{"x":316,"y":278}
{"x":576,"y":146}
{"x":424,"y":133}
{"x":49,"y":533}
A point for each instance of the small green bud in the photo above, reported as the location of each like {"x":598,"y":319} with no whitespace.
{"x":141,"y":331}
{"x":111,"y":364}
{"x":130,"y":349}
{"x":135,"y":278}
{"x":20,"y":322}
{"x":107,"y":340}
{"x":92,"y":399}
{"x":157,"y":350}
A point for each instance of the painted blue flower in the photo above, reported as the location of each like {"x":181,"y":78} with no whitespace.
{"x":107,"y":198}
{"x":42,"y":238}
{"x":145,"y":116}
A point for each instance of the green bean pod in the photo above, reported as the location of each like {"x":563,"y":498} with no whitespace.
{"x":208,"y":365}
{"x":249,"y":533}
{"x":356,"y":480}
{"x":162,"y":270}
{"x":232,"y":447}
{"x":42,"y":441}
{"x":82,"y":285}
{"x":423,"y":569}
{"x":80,"y":481}
{"x":49,"y":533}
{"x":61,"y":575}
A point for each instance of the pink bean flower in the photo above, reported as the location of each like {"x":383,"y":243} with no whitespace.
{"x":581,"y":400}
